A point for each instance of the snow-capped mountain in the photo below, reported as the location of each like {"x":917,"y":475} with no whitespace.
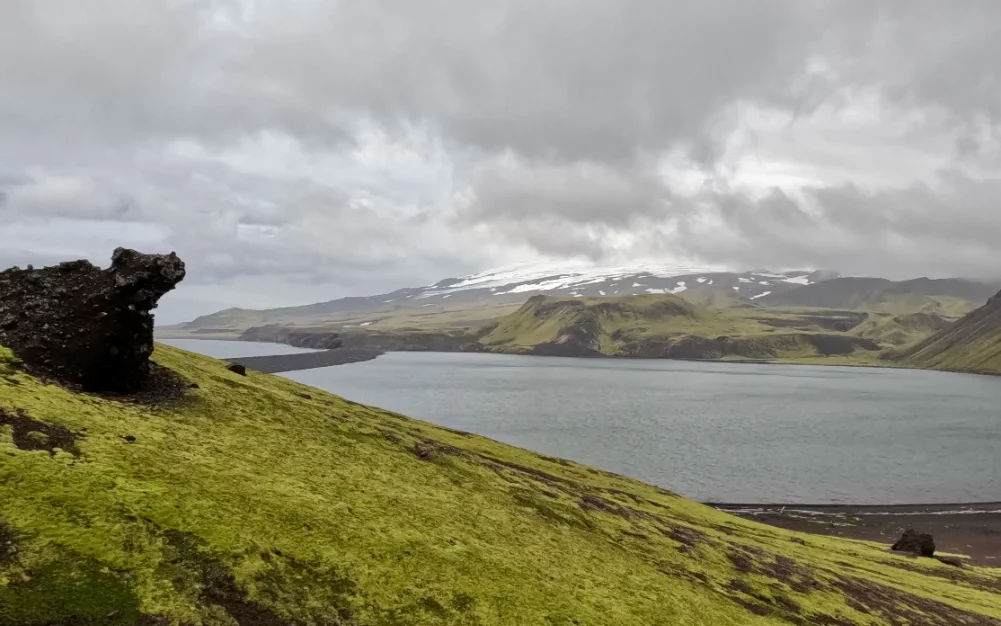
{"x":516,"y":283}
{"x":593,"y":280}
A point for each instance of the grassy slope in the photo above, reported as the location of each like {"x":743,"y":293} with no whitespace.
{"x":260,"y":501}
{"x":621,"y":323}
{"x":900,"y":330}
{"x":544,"y":319}
{"x":883,"y":296}
{"x":972,"y":344}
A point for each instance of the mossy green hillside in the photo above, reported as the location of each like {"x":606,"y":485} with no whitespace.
{"x":258,"y":501}
{"x":666,"y":326}
{"x":971,"y":344}
{"x":605,"y":322}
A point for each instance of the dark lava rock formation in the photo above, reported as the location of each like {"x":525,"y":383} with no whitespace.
{"x":236,"y":368}
{"x":916,"y":543}
{"x":86,"y":326}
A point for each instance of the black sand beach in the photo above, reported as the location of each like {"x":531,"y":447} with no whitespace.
{"x":305,"y":360}
{"x":971,"y":529}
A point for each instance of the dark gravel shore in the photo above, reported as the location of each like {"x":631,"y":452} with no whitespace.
{"x":305,"y":360}
{"x":971,"y":529}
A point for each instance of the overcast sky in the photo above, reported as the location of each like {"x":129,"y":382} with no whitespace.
{"x":293,"y":151}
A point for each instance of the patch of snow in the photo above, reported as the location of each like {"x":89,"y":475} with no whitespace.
{"x":546,"y":285}
{"x":656,"y":290}
{"x":760,"y":295}
{"x":701,"y":280}
{"x":638,"y":285}
{"x":681,"y":287}
{"x":745,"y":280}
{"x":769,"y":275}
{"x":799,"y":280}
{"x":365,"y":324}
{"x":387,"y":301}
{"x":710,"y":282}
{"x":763,"y":282}
{"x":579,"y":272}
{"x":600,"y":292}
{"x":446,"y":296}
{"x":424,"y":305}
{"x":736,"y":288}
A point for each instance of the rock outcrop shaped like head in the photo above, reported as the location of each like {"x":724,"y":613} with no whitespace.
{"x":86,"y":326}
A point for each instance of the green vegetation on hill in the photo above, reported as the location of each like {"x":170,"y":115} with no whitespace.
{"x":715,"y":297}
{"x":592,"y":324}
{"x":951,"y":297}
{"x":258,"y":501}
{"x":704,"y":322}
{"x":899,"y":330}
{"x":972,"y":344}
{"x":662,"y":326}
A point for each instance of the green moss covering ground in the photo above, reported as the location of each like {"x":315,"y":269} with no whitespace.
{"x":258,"y":501}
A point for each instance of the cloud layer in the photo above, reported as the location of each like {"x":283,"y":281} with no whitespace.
{"x":305,"y":150}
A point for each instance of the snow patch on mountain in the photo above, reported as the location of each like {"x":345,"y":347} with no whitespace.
{"x":799,"y":280}
{"x":573,"y":273}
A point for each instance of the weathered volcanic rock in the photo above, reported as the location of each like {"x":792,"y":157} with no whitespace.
{"x":237,"y":368}
{"x":87,"y":326}
{"x":916,"y":543}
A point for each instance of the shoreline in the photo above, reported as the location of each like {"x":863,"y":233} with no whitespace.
{"x":972,"y":529}
{"x":842,"y":507}
{"x":279,"y":363}
{"x":819,"y":361}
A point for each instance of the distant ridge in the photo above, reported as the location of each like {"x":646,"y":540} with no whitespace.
{"x":515,"y":284}
{"x":972,"y":344}
{"x":947,"y":296}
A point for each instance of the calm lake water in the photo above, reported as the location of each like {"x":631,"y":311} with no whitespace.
{"x":712,"y":431}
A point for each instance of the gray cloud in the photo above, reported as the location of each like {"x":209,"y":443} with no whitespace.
{"x":296,"y":151}
{"x":949,"y":230}
{"x":580,"y":80}
{"x":590,"y":192}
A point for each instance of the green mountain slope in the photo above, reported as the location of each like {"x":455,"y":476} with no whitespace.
{"x":971,"y":344}
{"x":258,"y":501}
{"x":899,"y":330}
{"x":951,"y":297}
{"x":657,"y":326}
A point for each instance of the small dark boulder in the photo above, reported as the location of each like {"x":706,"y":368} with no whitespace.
{"x":83,"y":325}
{"x":950,"y":560}
{"x":236,"y":368}
{"x":916,"y":543}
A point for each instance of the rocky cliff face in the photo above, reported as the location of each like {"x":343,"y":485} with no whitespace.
{"x":86,"y":326}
